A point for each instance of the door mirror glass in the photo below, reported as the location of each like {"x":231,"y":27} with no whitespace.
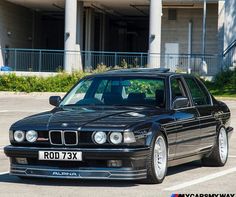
{"x":55,"y":100}
{"x":180,"y":102}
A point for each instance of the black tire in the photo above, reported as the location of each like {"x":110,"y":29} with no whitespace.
{"x":214,"y":159}
{"x":151,"y":174}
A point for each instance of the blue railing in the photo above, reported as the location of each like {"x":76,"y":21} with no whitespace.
{"x":41,"y":60}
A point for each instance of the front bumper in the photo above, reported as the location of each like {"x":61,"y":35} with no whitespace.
{"x":133,"y":159}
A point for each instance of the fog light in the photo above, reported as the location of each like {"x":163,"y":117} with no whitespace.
{"x":21,"y":161}
{"x":114,"y":163}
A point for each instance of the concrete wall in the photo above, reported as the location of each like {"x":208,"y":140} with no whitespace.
{"x":230,"y":22}
{"x":18,"y":21}
{"x":177,"y":31}
{"x":230,"y":31}
{"x":172,"y":32}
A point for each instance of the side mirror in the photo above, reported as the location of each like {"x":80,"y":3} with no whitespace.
{"x":180,"y":102}
{"x":55,"y":100}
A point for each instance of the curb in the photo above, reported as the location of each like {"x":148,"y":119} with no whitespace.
{"x":34,"y":94}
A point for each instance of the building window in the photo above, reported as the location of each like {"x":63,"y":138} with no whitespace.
{"x":172,"y":14}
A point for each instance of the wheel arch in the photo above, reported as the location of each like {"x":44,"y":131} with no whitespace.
{"x":156,"y":128}
{"x":218,"y":127}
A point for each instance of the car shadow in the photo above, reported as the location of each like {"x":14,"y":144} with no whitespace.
{"x":6,"y":178}
{"x":184,"y":167}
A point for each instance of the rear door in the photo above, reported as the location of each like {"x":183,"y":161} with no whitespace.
{"x":187,"y":122}
{"x":203,"y":103}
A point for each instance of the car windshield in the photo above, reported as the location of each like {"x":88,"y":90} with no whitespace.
{"x":117,"y":91}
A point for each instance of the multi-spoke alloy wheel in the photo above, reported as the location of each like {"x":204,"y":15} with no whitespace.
{"x":219,"y":154}
{"x":157,"y":160}
{"x":223,"y":145}
{"x":160,"y":157}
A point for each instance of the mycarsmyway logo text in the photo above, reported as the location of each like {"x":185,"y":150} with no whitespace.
{"x":203,"y":195}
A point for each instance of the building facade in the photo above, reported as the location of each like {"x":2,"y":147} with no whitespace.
{"x":168,"y":29}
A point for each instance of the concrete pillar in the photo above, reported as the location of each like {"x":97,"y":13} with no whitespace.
{"x":155,"y":33}
{"x":89,"y":38}
{"x":221,"y":19}
{"x":80,"y":24}
{"x":204,"y":63}
{"x":204,"y":29}
{"x":89,"y":29}
{"x":190,"y":28}
{"x":102,"y":32}
{"x":1,"y":57}
{"x":72,"y":57}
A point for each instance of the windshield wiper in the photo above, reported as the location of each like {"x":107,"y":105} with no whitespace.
{"x":136,"y":105}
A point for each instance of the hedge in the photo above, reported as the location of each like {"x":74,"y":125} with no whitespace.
{"x":59,"y":83}
{"x":224,"y":83}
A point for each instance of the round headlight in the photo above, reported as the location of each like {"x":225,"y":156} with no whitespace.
{"x":31,"y":136}
{"x":100,"y":137}
{"x":116,"y":137}
{"x":19,"y":136}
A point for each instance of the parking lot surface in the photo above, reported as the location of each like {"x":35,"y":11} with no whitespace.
{"x":189,"y":178}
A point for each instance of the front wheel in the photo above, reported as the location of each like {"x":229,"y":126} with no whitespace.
{"x":219,"y":154}
{"x":157,"y":160}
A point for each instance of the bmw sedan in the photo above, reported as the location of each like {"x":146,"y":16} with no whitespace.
{"x":129,"y":124}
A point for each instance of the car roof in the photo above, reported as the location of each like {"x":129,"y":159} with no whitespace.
{"x":152,"y":72}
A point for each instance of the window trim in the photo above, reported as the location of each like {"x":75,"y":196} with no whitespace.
{"x":196,"y":81}
{"x":206,"y":90}
{"x":185,"y":87}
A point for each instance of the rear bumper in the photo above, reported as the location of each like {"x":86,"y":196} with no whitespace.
{"x":133,"y":163}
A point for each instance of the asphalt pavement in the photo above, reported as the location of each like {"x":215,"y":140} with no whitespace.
{"x":190,"y":178}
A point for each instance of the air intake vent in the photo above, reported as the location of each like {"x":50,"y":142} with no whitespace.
{"x":172,"y":14}
{"x":70,"y":138}
{"x":56,"y":137}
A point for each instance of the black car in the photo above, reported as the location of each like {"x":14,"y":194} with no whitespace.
{"x":126,"y":124}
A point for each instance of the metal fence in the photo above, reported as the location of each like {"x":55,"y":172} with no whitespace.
{"x":36,"y":60}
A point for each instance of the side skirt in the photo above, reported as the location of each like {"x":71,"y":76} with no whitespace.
{"x":183,"y":160}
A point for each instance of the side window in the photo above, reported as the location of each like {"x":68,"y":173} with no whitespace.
{"x":177,"y":88}
{"x":199,"y":94}
{"x":205,"y":92}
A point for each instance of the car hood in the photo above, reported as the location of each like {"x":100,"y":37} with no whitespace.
{"x":82,"y":117}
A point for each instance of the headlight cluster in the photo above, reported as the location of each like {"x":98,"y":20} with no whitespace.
{"x":31,"y":136}
{"x":101,"y":137}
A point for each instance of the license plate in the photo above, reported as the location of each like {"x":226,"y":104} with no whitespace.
{"x":60,"y":155}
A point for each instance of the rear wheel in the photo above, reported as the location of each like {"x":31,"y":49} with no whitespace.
{"x":219,"y":154}
{"x":157,"y":160}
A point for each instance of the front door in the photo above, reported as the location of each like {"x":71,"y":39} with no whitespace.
{"x":186,"y":121}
